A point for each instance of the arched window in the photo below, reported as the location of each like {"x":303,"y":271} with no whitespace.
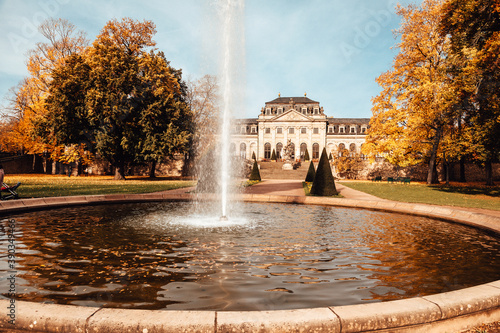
{"x":279,"y":148}
{"x":243,"y":150}
{"x":315,"y":151}
{"x":352,"y":149}
{"x":267,"y":151}
{"x":341,"y":149}
{"x":303,"y":148}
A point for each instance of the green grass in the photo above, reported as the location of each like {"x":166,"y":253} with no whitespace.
{"x":460,"y":195}
{"x":35,"y":186}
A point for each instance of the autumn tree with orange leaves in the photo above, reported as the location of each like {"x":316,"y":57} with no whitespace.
{"x":411,"y":115}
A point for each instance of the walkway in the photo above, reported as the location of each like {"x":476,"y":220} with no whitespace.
{"x":294,"y":187}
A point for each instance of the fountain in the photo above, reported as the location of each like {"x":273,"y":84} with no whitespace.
{"x":315,"y":261}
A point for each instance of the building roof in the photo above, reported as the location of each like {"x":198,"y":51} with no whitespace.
{"x":296,"y":100}
{"x":333,"y":120}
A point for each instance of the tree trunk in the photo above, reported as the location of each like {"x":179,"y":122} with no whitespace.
{"x":462,"y":170}
{"x":54,"y":167}
{"x":152,"y":170}
{"x":489,"y":174}
{"x":431,"y":179}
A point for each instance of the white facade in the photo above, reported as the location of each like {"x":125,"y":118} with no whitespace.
{"x":302,"y":122}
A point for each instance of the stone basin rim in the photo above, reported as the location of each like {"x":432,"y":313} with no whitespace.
{"x":449,"y":311}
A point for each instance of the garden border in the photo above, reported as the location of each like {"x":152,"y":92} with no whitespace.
{"x":445,"y":312}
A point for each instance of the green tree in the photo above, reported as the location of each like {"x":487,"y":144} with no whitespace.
{"x":273,"y":156}
{"x":324,"y":183}
{"x":255,"y":175}
{"x":474,"y":27}
{"x":310,"y":173}
{"x":128,"y":104}
{"x":306,"y":156}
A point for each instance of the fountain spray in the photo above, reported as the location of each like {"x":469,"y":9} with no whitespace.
{"x":231,"y":14}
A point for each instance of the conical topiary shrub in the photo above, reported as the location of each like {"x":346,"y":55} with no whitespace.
{"x":306,"y":156}
{"x":253,"y":156}
{"x":273,"y":156}
{"x":310,"y":173}
{"x":255,"y":175}
{"x":330,"y":157}
{"x":324,"y":184}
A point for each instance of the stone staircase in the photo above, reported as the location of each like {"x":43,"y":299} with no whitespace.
{"x":273,"y":170}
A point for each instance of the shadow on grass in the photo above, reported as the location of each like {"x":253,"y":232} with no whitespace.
{"x":490,"y":191}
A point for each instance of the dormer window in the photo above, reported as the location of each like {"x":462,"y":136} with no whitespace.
{"x":304,"y":110}
{"x":268,"y":111}
{"x":353,"y":129}
{"x":341,"y":129}
{"x":363,"y":130}
{"x":280,"y":110}
{"x":330,"y":129}
{"x":243,"y":130}
{"x":254,"y":129}
{"x":316,"y":111}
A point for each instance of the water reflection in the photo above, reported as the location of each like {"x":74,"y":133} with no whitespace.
{"x":275,"y":257}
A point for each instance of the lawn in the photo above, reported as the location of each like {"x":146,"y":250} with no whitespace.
{"x":472,"y":195}
{"x":34,"y":186}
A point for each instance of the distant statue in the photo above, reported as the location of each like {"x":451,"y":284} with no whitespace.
{"x":288,"y":151}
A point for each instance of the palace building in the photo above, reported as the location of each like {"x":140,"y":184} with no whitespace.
{"x":301,"y":122}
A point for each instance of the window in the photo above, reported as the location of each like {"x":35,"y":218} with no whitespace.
{"x":341,"y":129}
{"x":268,"y":130}
{"x":352,"y":149}
{"x":267,"y":150}
{"x":268,"y":111}
{"x":341,"y":149}
{"x":243,"y":130}
{"x":315,"y":130}
{"x":315,"y":151}
{"x":304,"y":110}
{"x":254,"y":129}
{"x":303,"y":130}
{"x":303,"y":148}
{"x":353,"y":129}
{"x":243,"y":150}
{"x":363,"y":130}
{"x":279,"y":148}
{"x":316,"y":111}
{"x":330,"y":129}
{"x":291,"y":130}
{"x":279,"y":130}
{"x":280,"y":110}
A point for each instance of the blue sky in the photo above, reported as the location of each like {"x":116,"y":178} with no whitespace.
{"x":330,"y":49}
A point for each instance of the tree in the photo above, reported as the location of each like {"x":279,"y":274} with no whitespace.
{"x":202,"y":98}
{"x":29,"y":98}
{"x":255,"y":175}
{"x":474,"y":30}
{"x":323,"y":184}
{"x":306,"y":156}
{"x":253,"y":156}
{"x":273,"y":155}
{"x":348,"y":164}
{"x":411,"y":115}
{"x":126,"y":103}
{"x":310,"y":173}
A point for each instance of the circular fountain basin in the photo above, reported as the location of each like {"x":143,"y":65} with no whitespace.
{"x":438,"y":312}
{"x":265,"y":257}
